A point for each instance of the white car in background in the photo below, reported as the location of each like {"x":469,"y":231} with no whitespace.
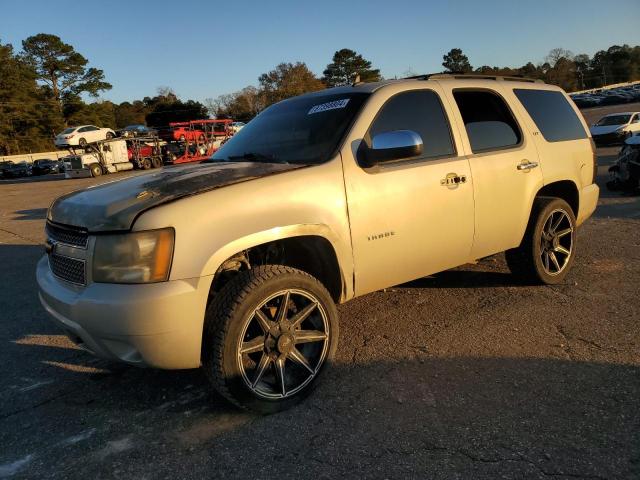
{"x":615,"y":128}
{"x":81,"y":135}
{"x":235,"y":127}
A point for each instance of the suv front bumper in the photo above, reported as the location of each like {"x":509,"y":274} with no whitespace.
{"x":158,"y":325}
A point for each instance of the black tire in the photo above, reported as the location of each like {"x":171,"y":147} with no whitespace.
{"x":96,"y":170}
{"x":146,"y":164}
{"x":229,"y":321}
{"x":156,"y":162}
{"x":532,"y":262}
{"x":109,"y":135}
{"x":82,"y":142}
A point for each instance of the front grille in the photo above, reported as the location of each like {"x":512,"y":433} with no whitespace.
{"x":74,"y":162}
{"x":609,"y":138}
{"x":69,"y":269}
{"x":67,"y":235}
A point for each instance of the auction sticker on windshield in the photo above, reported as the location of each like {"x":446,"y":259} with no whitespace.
{"x":323,"y":107}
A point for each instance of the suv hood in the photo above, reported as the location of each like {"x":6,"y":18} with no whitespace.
{"x":115,"y":205}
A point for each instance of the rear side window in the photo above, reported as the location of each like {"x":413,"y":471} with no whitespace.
{"x":422,"y":112}
{"x":552,"y":114}
{"x":487,"y":119}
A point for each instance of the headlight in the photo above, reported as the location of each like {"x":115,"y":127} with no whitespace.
{"x":137,"y":257}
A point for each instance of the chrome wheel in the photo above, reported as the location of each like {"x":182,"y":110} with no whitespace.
{"x":283,"y":344}
{"x":556,"y":242}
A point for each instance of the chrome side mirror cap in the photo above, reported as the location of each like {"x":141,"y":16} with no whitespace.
{"x":393,"y":145}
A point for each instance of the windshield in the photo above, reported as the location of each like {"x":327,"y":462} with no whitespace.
{"x":613,"y":120}
{"x":303,"y":130}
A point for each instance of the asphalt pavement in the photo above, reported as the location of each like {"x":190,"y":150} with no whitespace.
{"x":465,"y":374}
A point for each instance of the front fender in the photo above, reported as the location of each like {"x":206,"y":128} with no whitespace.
{"x":279,"y":233}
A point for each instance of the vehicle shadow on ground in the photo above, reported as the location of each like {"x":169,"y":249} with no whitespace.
{"x":462,"y":278}
{"x":31,"y":214}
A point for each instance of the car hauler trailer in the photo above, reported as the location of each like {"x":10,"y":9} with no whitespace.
{"x":114,"y":155}
{"x":195,"y":140}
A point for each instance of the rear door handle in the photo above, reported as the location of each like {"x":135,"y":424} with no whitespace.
{"x":527,"y":165}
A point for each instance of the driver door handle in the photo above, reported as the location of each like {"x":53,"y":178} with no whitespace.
{"x":527,"y":165}
{"x":453,"y":179}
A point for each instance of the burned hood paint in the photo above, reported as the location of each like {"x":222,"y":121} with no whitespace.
{"x":115,"y":205}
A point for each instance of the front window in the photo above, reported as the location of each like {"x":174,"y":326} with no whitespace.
{"x":613,"y":120}
{"x":303,"y":130}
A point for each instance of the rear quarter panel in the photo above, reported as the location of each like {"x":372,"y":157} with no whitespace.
{"x":566,"y":160}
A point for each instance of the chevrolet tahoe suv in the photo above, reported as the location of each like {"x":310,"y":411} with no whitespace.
{"x":235,"y":265}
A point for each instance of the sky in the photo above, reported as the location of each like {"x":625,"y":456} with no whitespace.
{"x":202,"y":49}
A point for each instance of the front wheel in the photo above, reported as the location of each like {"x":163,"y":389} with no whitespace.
{"x":109,"y":135}
{"x":269,"y":335}
{"x":548,"y":247}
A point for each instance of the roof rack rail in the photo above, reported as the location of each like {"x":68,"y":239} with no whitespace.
{"x":474,"y":76}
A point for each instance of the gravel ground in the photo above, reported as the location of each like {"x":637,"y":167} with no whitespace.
{"x":465,"y":374}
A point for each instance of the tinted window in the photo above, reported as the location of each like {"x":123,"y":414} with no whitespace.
{"x":422,"y":112}
{"x":552,"y":114}
{"x":487,"y":119}
{"x":303,"y":130}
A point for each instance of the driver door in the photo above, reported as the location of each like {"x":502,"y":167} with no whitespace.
{"x":409,"y":218}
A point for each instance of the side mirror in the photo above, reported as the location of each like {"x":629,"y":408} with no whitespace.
{"x":393,"y":145}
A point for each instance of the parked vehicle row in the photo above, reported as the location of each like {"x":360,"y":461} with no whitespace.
{"x":15,"y":170}
{"x":613,"y":96}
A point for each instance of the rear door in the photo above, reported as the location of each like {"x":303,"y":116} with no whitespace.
{"x":504,"y":165}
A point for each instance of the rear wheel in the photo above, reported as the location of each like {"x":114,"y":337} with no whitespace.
{"x":96,"y":170}
{"x":156,"y":162}
{"x":548,"y":248}
{"x":82,"y":142}
{"x":269,"y":334}
{"x":146,"y":163}
{"x":109,"y":135}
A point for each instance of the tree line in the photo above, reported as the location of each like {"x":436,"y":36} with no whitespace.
{"x":561,"y":67}
{"x":44,"y":87}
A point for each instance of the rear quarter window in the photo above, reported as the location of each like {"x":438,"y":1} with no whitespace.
{"x":552,"y":114}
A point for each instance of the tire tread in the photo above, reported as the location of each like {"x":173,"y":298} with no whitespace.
{"x":220,"y":314}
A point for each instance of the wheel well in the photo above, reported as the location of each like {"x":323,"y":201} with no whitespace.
{"x":565,"y":190}
{"x":312,"y":254}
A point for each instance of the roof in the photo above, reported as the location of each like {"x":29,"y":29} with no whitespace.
{"x":373,"y":86}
